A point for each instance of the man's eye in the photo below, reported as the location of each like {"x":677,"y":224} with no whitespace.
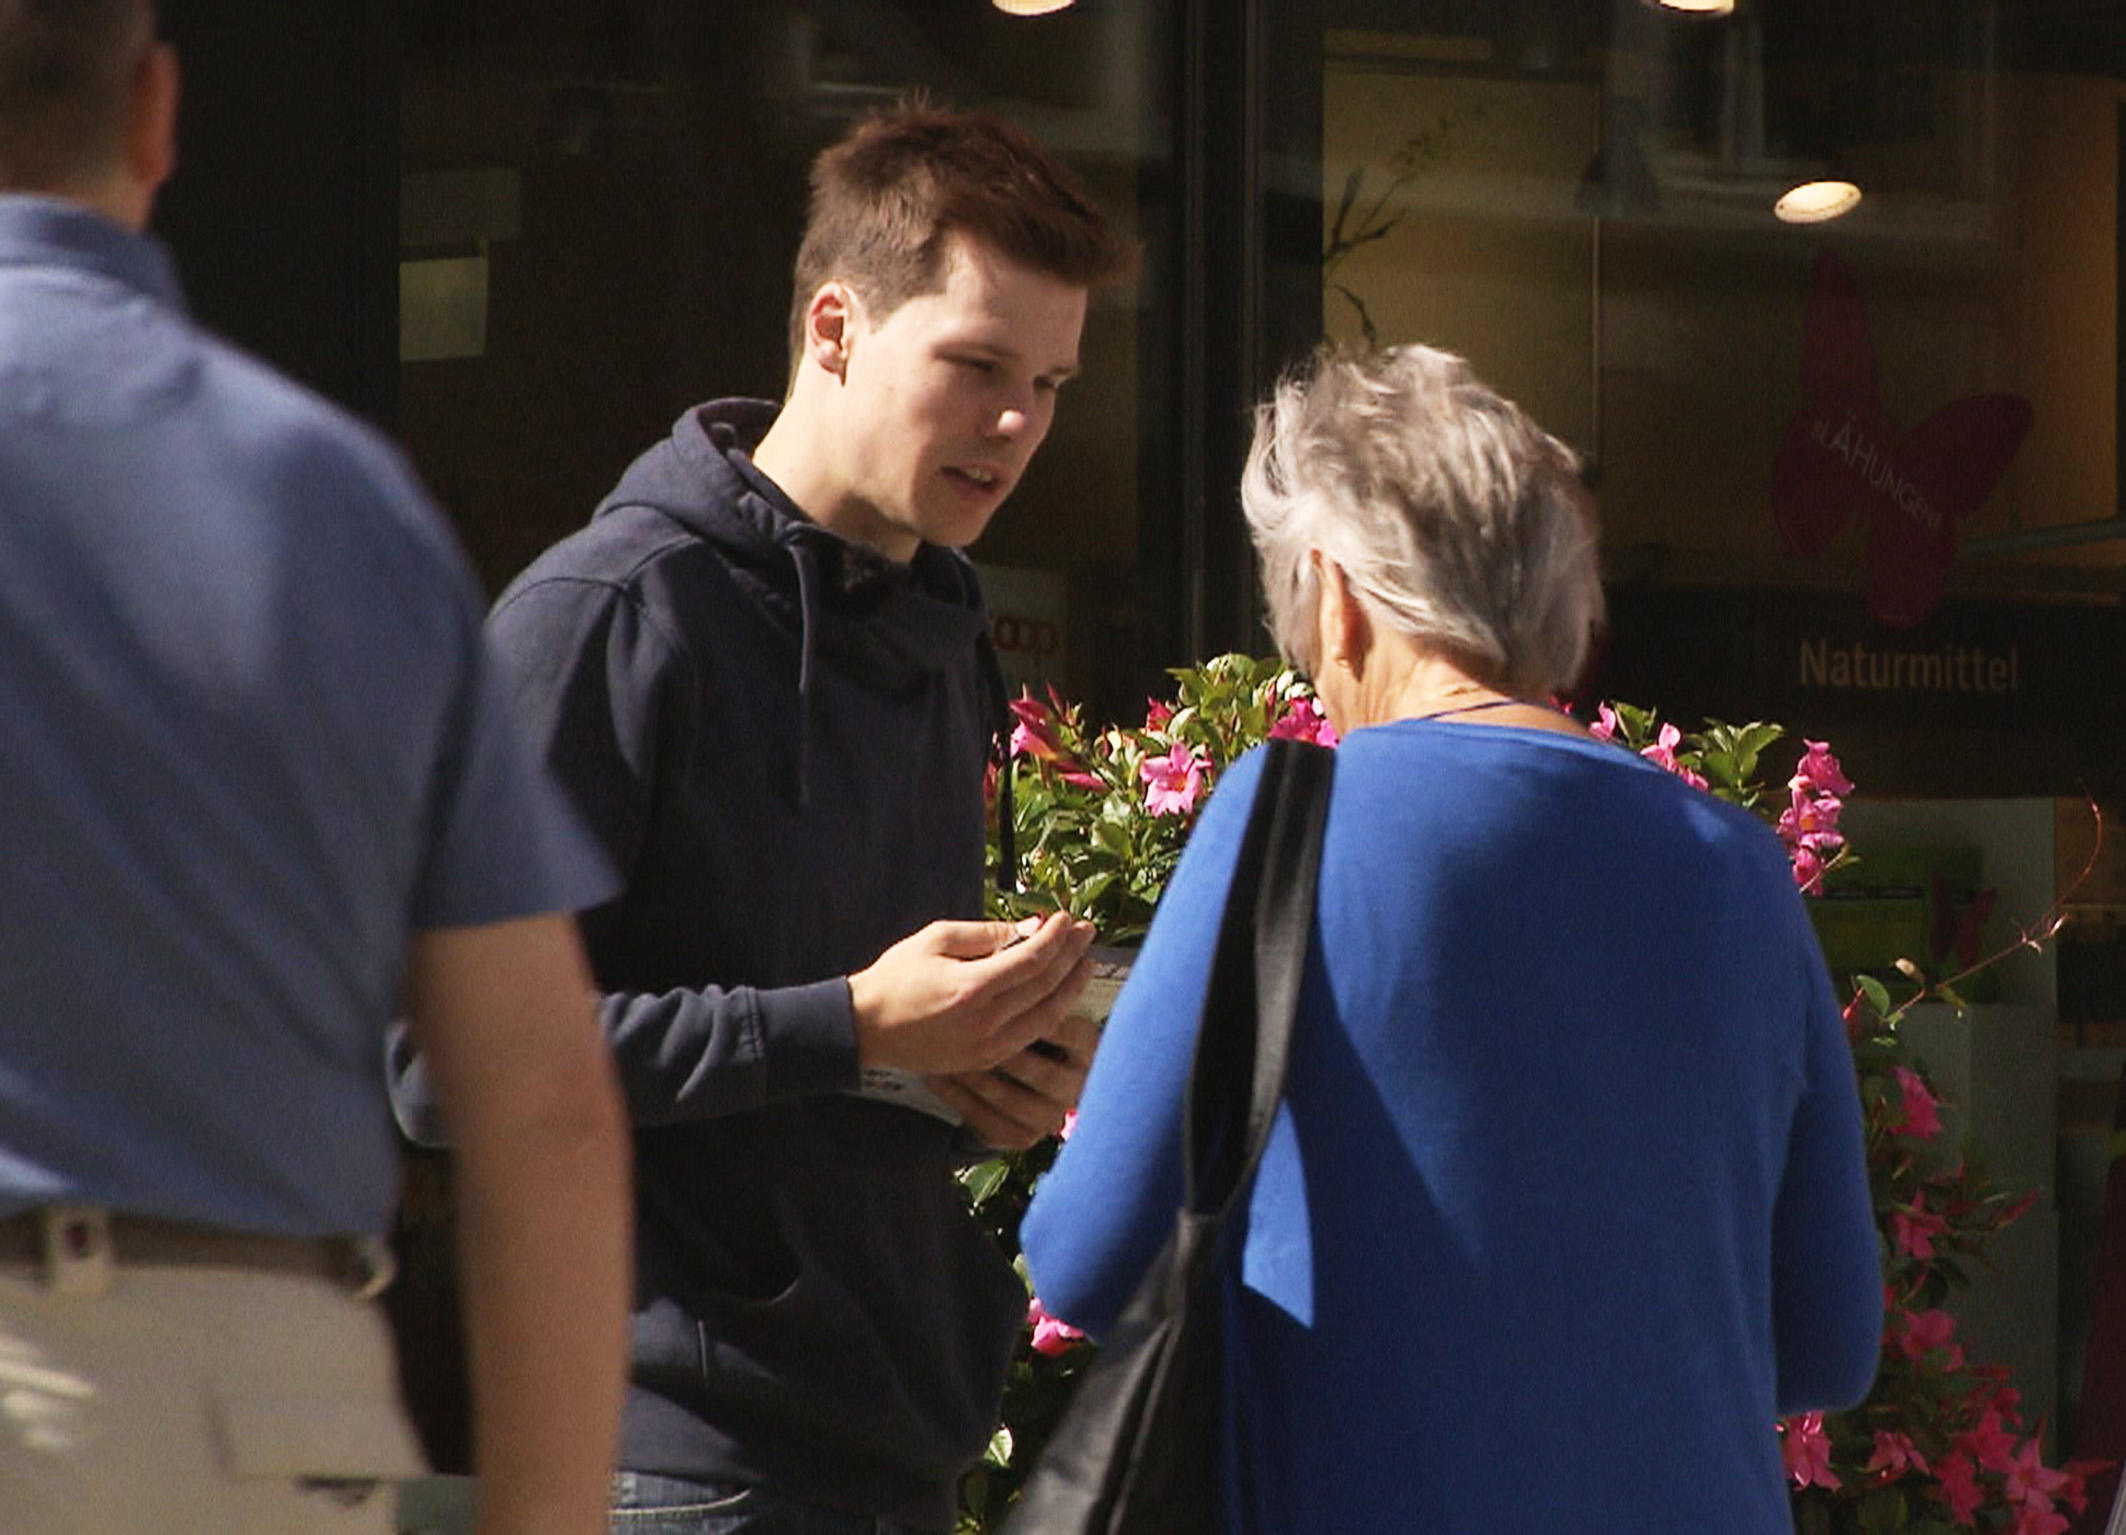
{"x":981,"y":365}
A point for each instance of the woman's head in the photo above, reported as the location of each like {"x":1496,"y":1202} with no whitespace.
{"x":1457,"y":520}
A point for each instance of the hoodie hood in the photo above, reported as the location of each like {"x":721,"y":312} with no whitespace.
{"x":883,"y":624}
{"x":867,"y":616}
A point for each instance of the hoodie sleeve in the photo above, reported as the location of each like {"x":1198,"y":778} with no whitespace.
{"x":587,"y":666}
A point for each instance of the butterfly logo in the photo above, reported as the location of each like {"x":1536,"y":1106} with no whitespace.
{"x":1841,"y":457}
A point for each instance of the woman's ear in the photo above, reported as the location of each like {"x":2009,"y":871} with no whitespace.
{"x":1343,"y":631}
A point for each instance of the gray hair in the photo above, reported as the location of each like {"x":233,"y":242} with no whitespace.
{"x":1459,"y":521}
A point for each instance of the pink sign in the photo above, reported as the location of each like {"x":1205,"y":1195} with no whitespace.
{"x":1842,"y":457}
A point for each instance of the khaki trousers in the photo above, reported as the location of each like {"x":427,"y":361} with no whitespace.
{"x":183,"y":1400}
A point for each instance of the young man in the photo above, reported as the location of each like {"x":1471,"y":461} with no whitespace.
{"x":764,"y":670}
{"x":262,"y":793}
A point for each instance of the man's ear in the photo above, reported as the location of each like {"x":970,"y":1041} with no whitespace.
{"x":151,"y":126}
{"x":830,"y":324}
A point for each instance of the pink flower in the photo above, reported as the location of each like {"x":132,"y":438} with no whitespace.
{"x":1035,"y":736}
{"x":1959,"y":1485}
{"x":1051,"y":1335}
{"x":1913,"y":1229}
{"x":1035,"y":733}
{"x":1894,"y":1456}
{"x":1820,"y":770}
{"x":1989,"y":1443}
{"x":1806,"y":1449}
{"x":2037,"y":1519}
{"x":2076,"y":1494}
{"x":1811,"y":820}
{"x":1070,"y":1123}
{"x":1808,"y":870}
{"x":1606,"y":724}
{"x":1156,"y":714}
{"x":1302,"y":720}
{"x":2030,"y":1481}
{"x":1855,"y":1015}
{"x":1663,"y":754}
{"x":1925,"y":1331}
{"x":1918,"y":1118}
{"x":1173,"y":782}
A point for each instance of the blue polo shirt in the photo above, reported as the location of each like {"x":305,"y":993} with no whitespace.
{"x":250,"y":742}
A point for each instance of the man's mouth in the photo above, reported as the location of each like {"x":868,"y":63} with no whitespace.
{"x":977,"y":476}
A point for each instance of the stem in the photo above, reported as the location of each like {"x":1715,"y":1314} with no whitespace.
{"x":2034,"y":937}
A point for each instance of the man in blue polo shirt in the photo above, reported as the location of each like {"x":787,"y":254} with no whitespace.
{"x":259,"y":793}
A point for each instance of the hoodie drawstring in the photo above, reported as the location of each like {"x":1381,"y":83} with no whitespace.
{"x":807,"y":611}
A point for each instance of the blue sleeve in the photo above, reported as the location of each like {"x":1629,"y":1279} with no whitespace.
{"x":1102,"y":1212}
{"x":590,"y":677}
{"x":500,"y":839}
{"x":1827,"y":1302}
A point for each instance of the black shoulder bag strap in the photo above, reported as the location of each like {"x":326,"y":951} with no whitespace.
{"x":1138,"y":1449}
{"x":1246,"y":1034}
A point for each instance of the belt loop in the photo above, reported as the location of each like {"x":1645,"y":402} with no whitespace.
{"x":77,"y":1250}
{"x":377,"y":1266}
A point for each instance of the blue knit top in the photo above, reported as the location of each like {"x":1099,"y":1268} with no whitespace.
{"x":1567,"y":1200}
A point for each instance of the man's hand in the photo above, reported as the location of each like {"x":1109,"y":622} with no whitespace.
{"x":958,"y":997}
{"x":1024,"y":1100}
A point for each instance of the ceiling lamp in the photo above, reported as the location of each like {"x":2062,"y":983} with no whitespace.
{"x":1816,"y":202}
{"x":1697,"y":7}
{"x":1030,"y":7}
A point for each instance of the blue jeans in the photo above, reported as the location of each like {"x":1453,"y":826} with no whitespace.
{"x":648,"y":1504}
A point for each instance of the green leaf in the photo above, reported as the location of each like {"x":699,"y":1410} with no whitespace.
{"x":1882,"y":1512}
{"x":982,"y":1180}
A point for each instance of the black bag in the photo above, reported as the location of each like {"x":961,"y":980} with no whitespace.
{"x":1138,"y":1448}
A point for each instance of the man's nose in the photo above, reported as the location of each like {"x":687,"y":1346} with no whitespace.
{"x":1017,"y":415}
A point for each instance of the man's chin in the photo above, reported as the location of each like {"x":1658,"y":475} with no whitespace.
{"x":957,"y":529}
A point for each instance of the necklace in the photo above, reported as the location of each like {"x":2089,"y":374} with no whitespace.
{"x":1489,"y":703}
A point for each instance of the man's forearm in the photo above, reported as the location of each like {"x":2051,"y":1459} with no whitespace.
{"x":545,"y":1249}
{"x":545,"y":1214}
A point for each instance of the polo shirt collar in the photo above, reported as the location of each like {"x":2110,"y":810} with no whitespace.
{"x":50,"y":231}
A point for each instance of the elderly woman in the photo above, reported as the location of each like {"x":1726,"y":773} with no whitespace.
{"x":1567,"y":1199}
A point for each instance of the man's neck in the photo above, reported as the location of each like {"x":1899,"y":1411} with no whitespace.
{"x":113,"y":199}
{"x":792,"y":455}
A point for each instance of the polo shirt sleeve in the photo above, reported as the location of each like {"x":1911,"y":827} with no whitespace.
{"x":503,"y":839}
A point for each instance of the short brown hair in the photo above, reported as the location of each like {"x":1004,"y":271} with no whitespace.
{"x":885,"y":198}
{"x":66,"y":68}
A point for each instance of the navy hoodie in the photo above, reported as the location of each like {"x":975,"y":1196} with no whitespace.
{"x":780,"y":738}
